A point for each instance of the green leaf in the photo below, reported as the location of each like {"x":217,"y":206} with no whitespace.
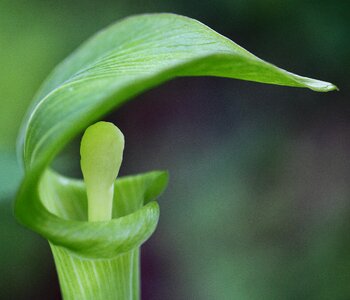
{"x":109,"y":69}
{"x":134,"y":218}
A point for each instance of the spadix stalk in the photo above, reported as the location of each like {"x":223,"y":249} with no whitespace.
{"x":101,"y":152}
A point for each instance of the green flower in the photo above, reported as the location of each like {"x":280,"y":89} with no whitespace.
{"x":96,"y":248}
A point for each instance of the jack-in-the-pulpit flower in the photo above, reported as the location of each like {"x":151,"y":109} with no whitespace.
{"x":96,"y":248}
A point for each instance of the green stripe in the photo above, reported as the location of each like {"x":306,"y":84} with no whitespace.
{"x":97,"y":279}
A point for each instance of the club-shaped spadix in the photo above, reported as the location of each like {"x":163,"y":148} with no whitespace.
{"x":101,"y":152}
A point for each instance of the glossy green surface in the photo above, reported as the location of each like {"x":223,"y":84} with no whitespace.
{"x":118,"y":63}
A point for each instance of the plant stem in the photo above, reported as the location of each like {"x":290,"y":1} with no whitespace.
{"x":98,"y":279}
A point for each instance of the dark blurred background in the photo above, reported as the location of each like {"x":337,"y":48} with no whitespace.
{"x":258,"y":205}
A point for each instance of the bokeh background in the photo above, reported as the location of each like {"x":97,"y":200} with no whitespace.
{"x":258,"y":205}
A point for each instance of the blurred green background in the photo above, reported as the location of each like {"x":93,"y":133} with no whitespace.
{"x":258,"y":203}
